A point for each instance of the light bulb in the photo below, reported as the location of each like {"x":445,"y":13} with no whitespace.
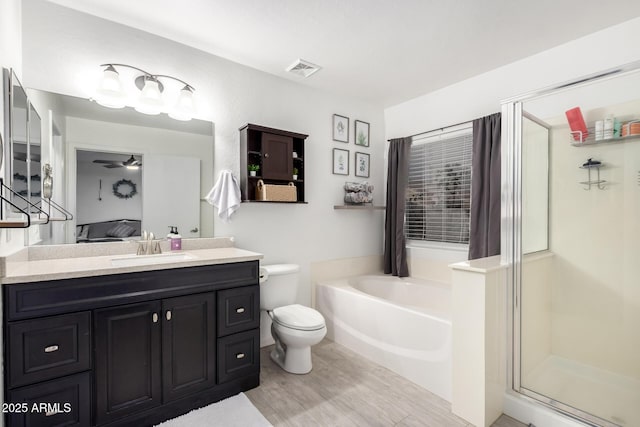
{"x":109,"y":92}
{"x":184,"y":108}
{"x":150,"y":101}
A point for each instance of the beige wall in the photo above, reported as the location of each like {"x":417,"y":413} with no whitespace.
{"x":594,"y":238}
{"x":535,"y":303}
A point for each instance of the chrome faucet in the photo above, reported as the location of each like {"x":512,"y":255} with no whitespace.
{"x":148,"y":245}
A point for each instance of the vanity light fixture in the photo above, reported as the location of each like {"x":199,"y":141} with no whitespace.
{"x":111,"y":93}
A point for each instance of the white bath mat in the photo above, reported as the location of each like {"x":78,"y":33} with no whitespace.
{"x":236,"y":411}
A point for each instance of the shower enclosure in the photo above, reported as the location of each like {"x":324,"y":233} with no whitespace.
{"x":572,"y":240}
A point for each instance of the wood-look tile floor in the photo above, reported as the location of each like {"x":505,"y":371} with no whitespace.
{"x":345,"y":389}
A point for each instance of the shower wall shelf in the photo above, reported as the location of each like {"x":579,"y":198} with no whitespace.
{"x":629,"y":131}
{"x":589,"y":182}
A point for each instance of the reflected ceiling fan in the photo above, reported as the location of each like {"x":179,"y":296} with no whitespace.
{"x":131,"y":163}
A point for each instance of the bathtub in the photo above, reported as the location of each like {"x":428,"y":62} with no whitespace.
{"x":401,"y":324}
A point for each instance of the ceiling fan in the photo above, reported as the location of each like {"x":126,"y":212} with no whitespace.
{"x":132,"y":163}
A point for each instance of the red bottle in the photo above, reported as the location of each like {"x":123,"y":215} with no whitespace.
{"x":577,"y":124}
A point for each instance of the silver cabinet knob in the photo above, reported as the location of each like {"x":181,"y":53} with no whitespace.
{"x":51,"y":349}
{"x":168,"y":314}
{"x":240,"y":356}
{"x":155,"y":317}
{"x":240,"y":310}
{"x":266,"y":155}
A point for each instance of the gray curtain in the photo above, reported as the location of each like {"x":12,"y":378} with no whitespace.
{"x":395,"y":252}
{"x":484,"y":237}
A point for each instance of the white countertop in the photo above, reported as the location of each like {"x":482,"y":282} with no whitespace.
{"x":66,"y":268}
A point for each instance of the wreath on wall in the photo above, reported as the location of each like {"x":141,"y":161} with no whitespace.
{"x":128,"y":189}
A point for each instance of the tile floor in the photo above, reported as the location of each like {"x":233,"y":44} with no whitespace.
{"x":345,"y":389}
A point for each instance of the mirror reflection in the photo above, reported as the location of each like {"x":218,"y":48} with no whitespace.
{"x":119,"y":172}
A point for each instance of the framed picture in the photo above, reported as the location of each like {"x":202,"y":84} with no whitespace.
{"x":340,"y":161}
{"x":362,"y":133}
{"x":340,"y":128}
{"x":362,"y":165}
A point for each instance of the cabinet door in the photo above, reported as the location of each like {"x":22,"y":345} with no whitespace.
{"x":65,"y":402}
{"x":188,"y":344}
{"x":128,"y":365}
{"x":277,"y":156}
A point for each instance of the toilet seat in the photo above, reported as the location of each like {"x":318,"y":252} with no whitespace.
{"x":298,"y":317}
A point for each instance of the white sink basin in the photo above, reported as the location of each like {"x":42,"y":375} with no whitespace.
{"x":134,"y":260}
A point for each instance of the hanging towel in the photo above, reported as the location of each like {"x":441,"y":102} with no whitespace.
{"x":225,"y":195}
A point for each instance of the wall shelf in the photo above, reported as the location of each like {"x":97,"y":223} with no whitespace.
{"x":272,"y":150}
{"x":589,"y":182}
{"x":359,"y":207}
{"x":628,"y":130}
{"x":273,"y":201}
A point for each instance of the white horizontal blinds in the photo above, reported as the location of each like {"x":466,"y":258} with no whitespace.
{"x":439,"y":189}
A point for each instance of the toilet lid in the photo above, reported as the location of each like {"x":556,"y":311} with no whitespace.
{"x":298,"y":317}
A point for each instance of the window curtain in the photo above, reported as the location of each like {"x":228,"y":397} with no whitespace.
{"x":484,"y":234}
{"x":395,"y":251}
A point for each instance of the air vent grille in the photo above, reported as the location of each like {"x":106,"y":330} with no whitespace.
{"x":303,"y":68}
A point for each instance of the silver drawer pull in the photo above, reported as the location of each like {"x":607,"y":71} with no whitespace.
{"x":50,"y":413}
{"x":51,"y":349}
{"x":240,"y":310}
{"x":240,"y":356}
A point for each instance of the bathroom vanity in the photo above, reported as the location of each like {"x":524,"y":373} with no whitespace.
{"x":132,"y":345}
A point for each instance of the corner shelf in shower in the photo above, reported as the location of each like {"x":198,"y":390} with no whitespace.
{"x":590,"y":139}
{"x":589,"y":182}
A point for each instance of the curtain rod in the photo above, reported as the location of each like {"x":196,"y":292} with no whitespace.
{"x":436,"y":129}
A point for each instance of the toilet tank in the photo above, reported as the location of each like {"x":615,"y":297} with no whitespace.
{"x":278,"y":285}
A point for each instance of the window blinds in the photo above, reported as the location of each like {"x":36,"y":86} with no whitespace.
{"x":439,"y":188}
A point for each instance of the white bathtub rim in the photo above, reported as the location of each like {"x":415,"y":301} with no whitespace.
{"x":343,"y":285}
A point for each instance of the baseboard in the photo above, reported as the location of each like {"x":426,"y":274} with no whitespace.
{"x":528,"y":411}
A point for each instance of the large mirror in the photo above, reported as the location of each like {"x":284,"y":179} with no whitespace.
{"x":123,"y":171}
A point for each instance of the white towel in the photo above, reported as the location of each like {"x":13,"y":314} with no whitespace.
{"x":225,"y":195}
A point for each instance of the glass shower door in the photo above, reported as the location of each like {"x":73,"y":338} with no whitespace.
{"x":577,"y":329}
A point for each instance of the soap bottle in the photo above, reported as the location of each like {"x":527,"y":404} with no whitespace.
{"x":608,"y":127}
{"x":176,"y":240}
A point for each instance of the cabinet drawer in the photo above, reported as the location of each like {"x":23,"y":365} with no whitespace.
{"x":63,"y":402}
{"x":238,"y":310}
{"x":47,"y":348}
{"x":238,"y":355}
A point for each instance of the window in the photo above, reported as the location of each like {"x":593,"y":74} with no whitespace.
{"x":439,"y":189}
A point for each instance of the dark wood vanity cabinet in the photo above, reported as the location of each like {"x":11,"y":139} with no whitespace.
{"x":273,"y":151}
{"x":164,"y":343}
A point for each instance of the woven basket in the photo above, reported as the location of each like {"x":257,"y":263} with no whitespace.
{"x":276,"y":193}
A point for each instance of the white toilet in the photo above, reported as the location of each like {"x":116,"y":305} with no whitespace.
{"x":295,"y":328}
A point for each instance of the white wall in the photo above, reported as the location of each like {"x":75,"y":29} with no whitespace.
{"x":62,"y":47}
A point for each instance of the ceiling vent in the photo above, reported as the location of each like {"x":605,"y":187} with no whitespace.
{"x":303,"y":68}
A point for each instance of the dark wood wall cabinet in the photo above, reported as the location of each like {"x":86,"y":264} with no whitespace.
{"x":272,"y":150}
{"x":146,"y":347}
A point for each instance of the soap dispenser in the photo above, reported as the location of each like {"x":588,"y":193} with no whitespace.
{"x":175,"y":239}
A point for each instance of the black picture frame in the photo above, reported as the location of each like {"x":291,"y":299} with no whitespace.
{"x":362,"y":165}
{"x":340,"y":164}
{"x":340,"y":130}
{"x":361,"y":133}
